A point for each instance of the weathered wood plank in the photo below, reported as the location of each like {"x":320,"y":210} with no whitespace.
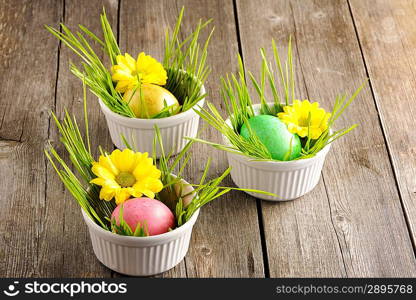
{"x":226,"y":239}
{"x":352,"y":224}
{"x":28,"y":59}
{"x":66,"y":248}
{"x":386,"y":30}
{"x":300,"y":236}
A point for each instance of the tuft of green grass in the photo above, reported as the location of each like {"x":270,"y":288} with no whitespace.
{"x":185,"y":61}
{"x":87,"y":194}
{"x":122,"y":228}
{"x":79,"y":151}
{"x":93,"y":72}
{"x":239,"y":107}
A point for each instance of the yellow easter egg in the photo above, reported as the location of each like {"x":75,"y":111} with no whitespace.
{"x":155,"y":99}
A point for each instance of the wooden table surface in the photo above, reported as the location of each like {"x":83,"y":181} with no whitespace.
{"x":360,"y":220}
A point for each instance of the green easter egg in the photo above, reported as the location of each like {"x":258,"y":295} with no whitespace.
{"x":274,"y":134}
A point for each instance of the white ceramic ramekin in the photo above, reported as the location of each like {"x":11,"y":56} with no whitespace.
{"x":140,"y":256}
{"x":287,"y":179}
{"x":140,"y":132}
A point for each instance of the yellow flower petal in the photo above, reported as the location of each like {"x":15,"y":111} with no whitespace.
{"x":129,"y":61}
{"x":315,"y":133}
{"x":101,"y":171}
{"x":149,"y":186}
{"x":145,"y":168}
{"x":98,"y":181}
{"x":107,"y":194}
{"x":128,"y":71}
{"x":122,"y":86}
{"x":123,"y":160}
{"x":135,"y":193}
{"x":302,"y":131}
{"x":123,"y":174}
{"x":154,"y":185}
{"x":106,"y":162}
{"x":304,"y":116}
{"x":150,"y":70}
{"x":122,"y":195}
{"x":149,"y":194}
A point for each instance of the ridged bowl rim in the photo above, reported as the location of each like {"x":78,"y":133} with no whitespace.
{"x":149,"y":123}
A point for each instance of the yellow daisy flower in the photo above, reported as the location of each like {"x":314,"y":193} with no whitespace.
{"x":296,"y":118}
{"x":127,"y":72}
{"x":123,"y":174}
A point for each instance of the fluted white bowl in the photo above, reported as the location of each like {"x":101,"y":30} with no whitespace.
{"x":140,"y":256}
{"x":140,"y":132}
{"x":287,"y":179}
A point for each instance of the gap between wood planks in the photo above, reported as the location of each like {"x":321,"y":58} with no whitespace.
{"x":322,"y":175}
{"x":328,"y":189}
{"x":58,"y":53}
{"x":68,"y":95}
{"x":406,"y":216}
{"x":258,"y":201}
{"x":114,"y":274}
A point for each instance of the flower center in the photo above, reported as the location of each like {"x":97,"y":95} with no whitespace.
{"x":125,"y":179}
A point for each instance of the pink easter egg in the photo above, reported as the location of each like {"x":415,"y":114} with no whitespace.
{"x":156,"y":215}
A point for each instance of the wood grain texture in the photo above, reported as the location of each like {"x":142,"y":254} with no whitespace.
{"x":300,"y":236}
{"x":226,"y":238}
{"x":28,"y":79}
{"x":66,"y":242}
{"x":353,"y":224}
{"x":387,"y":31}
